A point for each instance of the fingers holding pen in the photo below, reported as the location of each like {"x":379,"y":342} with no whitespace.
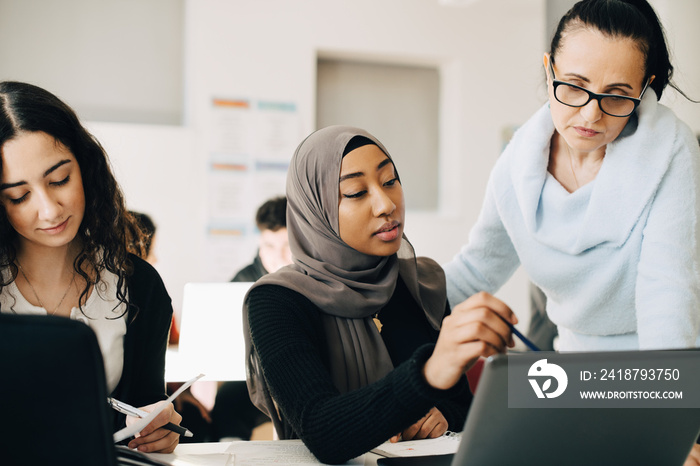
{"x":483,"y":300}
{"x":160,"y":441}
{"x":476,"y":327}
{"x":489,"y":316}
{"x":154,"y":437}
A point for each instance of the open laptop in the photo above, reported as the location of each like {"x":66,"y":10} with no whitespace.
{"x":497,"y":434}
{"x":54,"y":400}
{"x":211,"y":332}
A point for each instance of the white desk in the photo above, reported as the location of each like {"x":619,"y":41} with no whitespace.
{"x":222,"y":454}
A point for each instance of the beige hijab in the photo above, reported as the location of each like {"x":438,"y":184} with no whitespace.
{"x":348,"y":286}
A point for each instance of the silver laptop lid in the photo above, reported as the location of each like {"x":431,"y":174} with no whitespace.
{"x":497,"y":434}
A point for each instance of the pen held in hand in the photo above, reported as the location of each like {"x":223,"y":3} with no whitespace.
{"x":130,"y":431}
{"x":522,"y":337}
{"x":129,"y":410}
{"x":178,"y":429}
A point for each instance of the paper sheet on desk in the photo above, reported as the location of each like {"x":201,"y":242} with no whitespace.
{"x":134,"y":457}
{"x":445,"y":444}
{"x":207,"y":459}
{"x":130,"y":431}
{"x":258,"y":452}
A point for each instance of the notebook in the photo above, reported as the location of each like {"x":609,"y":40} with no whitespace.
{"x":445,"y":444}
{"x":211,"y":330}
{"x":496,"y":434}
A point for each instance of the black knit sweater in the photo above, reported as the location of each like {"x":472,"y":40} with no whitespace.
{"x":288,"y":334}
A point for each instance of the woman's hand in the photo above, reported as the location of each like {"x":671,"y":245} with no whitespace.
{"x":153,"y":438}
{"x":474,"y":329}
{"x":694,"y":457}
{"x":432,"y":425}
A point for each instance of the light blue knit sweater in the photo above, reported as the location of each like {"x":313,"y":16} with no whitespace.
{"x":618,"y":258}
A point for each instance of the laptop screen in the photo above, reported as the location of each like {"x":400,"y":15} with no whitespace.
{"x":211,"y":333}
{"x":495,"y":433}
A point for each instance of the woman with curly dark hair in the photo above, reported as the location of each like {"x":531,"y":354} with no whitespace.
{"x":66,"y":239}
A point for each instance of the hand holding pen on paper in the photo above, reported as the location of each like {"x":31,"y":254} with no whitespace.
{"x":147,"y":429}
{"x":160,"y":435}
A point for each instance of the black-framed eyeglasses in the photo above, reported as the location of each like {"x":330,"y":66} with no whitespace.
{"x":577,"y":96}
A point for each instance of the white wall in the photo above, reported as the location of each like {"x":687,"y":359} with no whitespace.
{"x":680,"y":20}
{"x":157,"y":170}
{"x":112,"y":60}
{"x":489,"y":54}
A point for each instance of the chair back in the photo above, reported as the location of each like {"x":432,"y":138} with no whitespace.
{"x":53,"y":393}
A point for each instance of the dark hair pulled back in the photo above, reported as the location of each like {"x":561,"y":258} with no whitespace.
{"x":632,"y":19}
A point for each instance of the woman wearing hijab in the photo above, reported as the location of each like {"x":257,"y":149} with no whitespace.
{"x":344,"y":346}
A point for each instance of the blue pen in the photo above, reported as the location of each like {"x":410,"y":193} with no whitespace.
{"x":522,"y":337}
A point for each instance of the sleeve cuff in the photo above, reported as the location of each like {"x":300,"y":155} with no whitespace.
{"x":421,"y":386}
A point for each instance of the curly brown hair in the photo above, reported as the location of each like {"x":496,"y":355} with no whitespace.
{"x":108,"y":231}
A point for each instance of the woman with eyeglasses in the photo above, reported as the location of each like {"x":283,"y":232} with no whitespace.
{"x":596,"y":196}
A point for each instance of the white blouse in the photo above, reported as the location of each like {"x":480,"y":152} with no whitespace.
{"x":99,"y":313}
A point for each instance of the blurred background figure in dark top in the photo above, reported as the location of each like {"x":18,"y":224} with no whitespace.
{"x":194,"y":414}
{"x":273,"y":246}
{"x":233,"y":415}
